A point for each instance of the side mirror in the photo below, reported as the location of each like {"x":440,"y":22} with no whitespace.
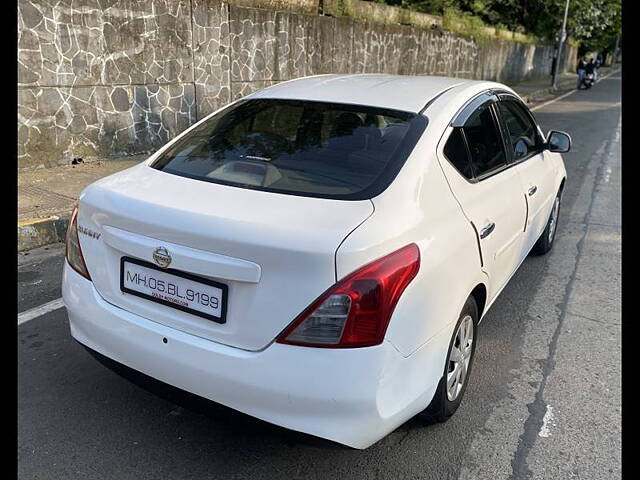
{"x":557,"y":141}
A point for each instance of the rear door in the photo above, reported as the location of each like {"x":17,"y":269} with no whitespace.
{"x":474,"y":160}
{"x":526,"y":151}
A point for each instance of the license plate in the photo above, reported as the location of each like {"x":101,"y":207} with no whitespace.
{"x":179,"y":290}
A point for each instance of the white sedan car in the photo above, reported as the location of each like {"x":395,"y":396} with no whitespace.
{"x":318,"y":254}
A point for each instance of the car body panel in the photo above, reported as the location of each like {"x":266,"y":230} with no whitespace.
{"x":539,"y":175}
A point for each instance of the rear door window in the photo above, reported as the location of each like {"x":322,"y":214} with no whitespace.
{"x":298,"y":147}
{"x":456,"y":151}
{"x":484,"y":141}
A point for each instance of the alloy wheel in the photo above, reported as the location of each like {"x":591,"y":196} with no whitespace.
{"x":459,"y":358}
{"x":553,"y":221}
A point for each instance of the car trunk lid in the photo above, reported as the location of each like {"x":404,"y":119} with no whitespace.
{"x":275,"y":253}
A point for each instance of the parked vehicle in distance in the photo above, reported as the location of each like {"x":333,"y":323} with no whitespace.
{"x":318,"y":254}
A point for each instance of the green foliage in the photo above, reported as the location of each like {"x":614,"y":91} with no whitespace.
{"x":594,"y":24}
{"x":455,"y":20}
{"x":597,"y":25}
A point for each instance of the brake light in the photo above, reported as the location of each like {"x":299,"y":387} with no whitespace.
{"x":355,"y":312}
{"x":73,"y":251}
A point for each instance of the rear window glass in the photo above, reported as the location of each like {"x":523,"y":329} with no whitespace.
{"x":298,"y":147}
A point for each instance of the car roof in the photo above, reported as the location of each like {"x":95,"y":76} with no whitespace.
{"x":398,"y":92}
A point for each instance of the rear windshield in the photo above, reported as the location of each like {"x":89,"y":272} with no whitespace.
{"x":298,"y":147}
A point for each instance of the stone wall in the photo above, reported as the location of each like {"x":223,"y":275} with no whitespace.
{"x":121,"y":77}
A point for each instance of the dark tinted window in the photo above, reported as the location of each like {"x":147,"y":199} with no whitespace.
{"x":291,"y":146}
{"x":523,"y":133}
{"x":484,"y":141}
{"x":456,"y":151}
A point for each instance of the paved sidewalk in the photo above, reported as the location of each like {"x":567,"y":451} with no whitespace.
{"x":46,"y":196}
{"x":535,"y":91}
{"x":53,"y":191}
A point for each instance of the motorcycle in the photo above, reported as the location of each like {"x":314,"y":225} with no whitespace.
{"x":588,"y":80}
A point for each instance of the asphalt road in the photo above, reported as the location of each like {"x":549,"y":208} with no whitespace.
{"x":543,"y":401}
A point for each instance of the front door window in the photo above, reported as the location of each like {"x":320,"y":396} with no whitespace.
{"x":523,"y":134}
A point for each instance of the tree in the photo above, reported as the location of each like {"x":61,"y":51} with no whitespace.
{"x":593,"y":23}
{"x":596,"y":24}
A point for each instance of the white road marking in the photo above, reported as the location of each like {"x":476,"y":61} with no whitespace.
{"x":552,"y":100}
{"x":36,"y":312}
{"x":566,"y":94}
{"x":546,"y":422}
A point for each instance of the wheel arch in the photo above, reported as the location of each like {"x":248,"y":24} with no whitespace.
{"x":562,"y":184}
{"x":479,"y":294}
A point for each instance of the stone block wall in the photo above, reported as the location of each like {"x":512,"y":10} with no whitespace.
{"x":120,"y":77}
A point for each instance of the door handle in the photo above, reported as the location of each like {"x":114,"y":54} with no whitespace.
{"x":532,"y":190}
{"x":487,"y":229}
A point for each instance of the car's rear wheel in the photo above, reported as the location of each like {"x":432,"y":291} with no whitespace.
{"x":457,"y":369}
{"x":545,"y":242}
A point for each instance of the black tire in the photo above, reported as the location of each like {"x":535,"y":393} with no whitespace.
{"x":545,"y":242}
{"x":441,"y":407}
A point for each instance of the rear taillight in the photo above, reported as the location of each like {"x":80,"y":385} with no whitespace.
{"x":74,"y":253}
{"x":355,"y":312}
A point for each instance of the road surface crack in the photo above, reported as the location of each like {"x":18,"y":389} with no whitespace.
{"x":538,"y":408}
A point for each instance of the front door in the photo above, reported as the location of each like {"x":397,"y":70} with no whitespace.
{"x":474,"y":161}
{"x":535,"y":170}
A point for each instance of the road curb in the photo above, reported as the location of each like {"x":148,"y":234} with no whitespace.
{"x":39,"y":232}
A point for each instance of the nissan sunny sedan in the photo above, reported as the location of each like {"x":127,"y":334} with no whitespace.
{"x":318,"y":254}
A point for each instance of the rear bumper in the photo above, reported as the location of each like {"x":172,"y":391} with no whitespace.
{"x":351,"y":396}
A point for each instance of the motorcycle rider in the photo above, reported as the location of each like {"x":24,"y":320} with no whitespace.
{"x":591,"y":68}
{"x":597,"y":65}
{"x":580,"y":71}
